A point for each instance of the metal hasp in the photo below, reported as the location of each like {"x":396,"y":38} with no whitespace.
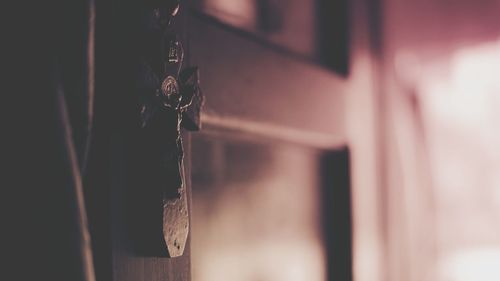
{"x":170,"y":100}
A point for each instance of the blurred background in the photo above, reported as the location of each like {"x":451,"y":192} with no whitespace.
{"x":409,"y":88}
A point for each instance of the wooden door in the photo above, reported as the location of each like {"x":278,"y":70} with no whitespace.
{"x":258,"y":98}
{"x":125,"y":211}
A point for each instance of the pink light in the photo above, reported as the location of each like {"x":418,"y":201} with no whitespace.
{"x":461,"y":99}
{"x":472,"y":265}
{"x":240,"y":13}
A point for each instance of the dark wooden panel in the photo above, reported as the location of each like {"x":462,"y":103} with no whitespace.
{"x":127,"y":263}
{"x":337,"y":221}
{"x":109,"y":176}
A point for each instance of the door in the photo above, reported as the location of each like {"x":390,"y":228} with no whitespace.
{"x":133,"y":167}
{"x":269,"y":116}
{"x":273,"y":118}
